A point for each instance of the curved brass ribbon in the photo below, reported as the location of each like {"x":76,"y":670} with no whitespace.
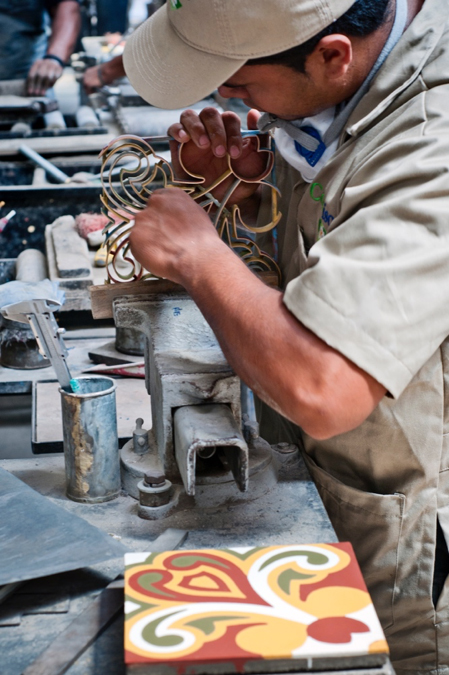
{"x":124,"y":198}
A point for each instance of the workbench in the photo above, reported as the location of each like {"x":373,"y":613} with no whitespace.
{"x":292,"y":516}
{"x":286,"y":512}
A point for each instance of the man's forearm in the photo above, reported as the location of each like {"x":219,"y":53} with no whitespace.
{"x":288,"y":366}
{"x":285,"y":364}
{"x":65,"y":27}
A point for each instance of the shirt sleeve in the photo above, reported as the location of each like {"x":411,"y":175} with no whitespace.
{"x":377,"y":285}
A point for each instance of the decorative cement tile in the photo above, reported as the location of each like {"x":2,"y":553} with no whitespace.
{"x":187,"y":609}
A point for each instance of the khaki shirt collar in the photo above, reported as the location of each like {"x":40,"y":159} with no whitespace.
{"x":403,"y":66}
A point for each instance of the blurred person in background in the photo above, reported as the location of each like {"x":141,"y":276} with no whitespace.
{"x":103,"y":74}
{"x":26,"y":49}
{"x":108,"y":72}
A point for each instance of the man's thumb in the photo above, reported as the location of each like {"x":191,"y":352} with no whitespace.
{"x":252,"y":118}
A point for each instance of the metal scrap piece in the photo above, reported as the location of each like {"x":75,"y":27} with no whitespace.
{"x":38,"y":538}
{"x":79,"y":635}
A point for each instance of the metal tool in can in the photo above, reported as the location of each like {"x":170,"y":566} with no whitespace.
{"x":39,"y":315}
{"x":88,"y":410}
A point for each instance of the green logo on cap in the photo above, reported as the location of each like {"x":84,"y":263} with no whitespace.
{"x":175,"y":4}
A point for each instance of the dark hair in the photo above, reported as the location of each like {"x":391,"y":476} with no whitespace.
{"x":362,"y":19}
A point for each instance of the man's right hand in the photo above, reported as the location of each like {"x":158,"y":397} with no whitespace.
{"x":207,"y":139}
{"x":43,"y":74}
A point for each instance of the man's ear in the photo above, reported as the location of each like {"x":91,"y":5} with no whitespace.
{"x":331,"y":57}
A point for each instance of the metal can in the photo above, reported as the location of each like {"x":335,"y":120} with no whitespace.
{"x":91,"y":450}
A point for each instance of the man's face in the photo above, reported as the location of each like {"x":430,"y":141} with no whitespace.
{"x":278,"y":90}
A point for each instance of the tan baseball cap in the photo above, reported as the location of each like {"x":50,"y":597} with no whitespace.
{"x":188,"y":48}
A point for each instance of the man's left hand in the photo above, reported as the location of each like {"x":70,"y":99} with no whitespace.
{"x":172,"y":234}
{"x":43,"y":74}
{"x":91,"y":79}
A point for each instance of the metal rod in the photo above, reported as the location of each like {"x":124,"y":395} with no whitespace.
{"x":50,"y":168}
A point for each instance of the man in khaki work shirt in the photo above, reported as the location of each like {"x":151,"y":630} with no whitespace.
{"x":351,"y":359}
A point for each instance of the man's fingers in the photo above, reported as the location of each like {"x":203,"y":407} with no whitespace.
{"x":253,"y":116}
{"x":232,"y":126}
{"x":210,"y":129}
{"x":252,"y":119}
{"x":178,"y":132}
{"x":215,"y":130}
{"x":31,"y":80}
{"x":194,"y":127}
{"x":91,"y":81}
{"x":52,"y":74}
{"x":34,"y":85}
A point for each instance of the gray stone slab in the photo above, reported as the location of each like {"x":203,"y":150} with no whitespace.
{"x":38,"y":538}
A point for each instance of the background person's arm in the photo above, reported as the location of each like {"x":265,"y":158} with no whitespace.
{"x":65,"y":27}
{"x":105,"y":73}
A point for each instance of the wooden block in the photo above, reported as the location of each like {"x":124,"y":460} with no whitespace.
{"x":102,"y":297}
{"x":76,"y":288}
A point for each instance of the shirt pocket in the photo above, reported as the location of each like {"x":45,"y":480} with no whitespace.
{"x":372,"y":523}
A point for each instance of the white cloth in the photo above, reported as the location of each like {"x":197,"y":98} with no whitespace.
{"x":288,"y":148}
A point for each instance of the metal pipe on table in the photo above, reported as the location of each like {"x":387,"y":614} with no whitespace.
{"x":50,"y":168}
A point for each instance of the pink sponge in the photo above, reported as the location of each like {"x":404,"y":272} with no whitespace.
{"x":90,"y":222}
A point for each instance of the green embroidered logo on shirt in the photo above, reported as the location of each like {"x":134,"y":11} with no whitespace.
{"x":175,"y":4}
{"x":318,"y":194}
{"x":321,"y":230}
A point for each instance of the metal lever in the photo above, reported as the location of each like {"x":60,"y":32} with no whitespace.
{"x":39,"y":314}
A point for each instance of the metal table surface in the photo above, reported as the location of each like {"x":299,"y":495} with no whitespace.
{"x":290,"y":512}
